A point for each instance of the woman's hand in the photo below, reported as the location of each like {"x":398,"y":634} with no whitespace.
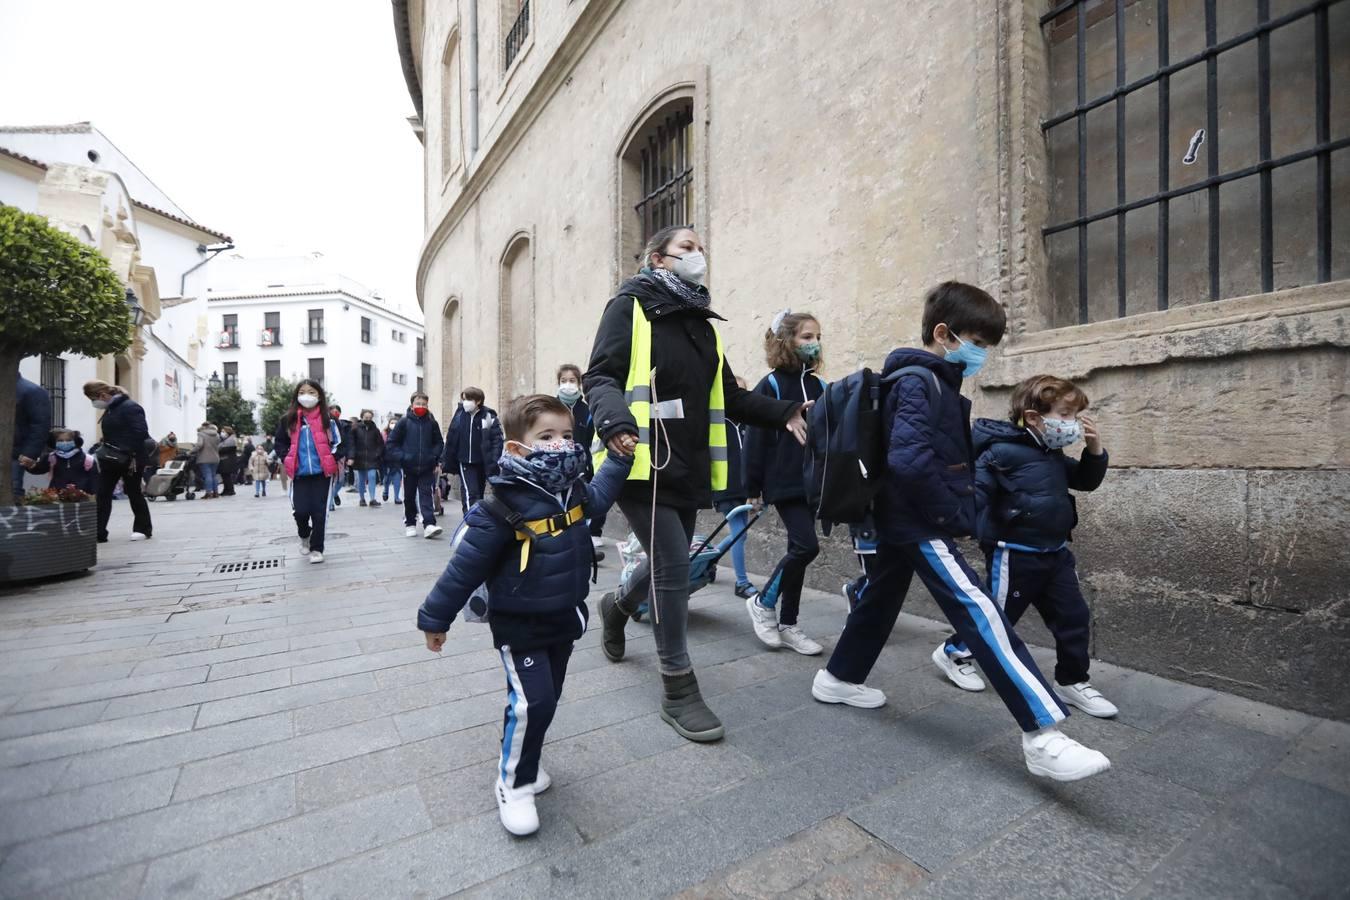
{"x":797,"y":424}
{"x":623,"y":444}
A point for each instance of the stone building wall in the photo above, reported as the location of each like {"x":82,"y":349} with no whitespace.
{"x":847,"y":158}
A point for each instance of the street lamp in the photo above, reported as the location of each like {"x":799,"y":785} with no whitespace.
{"x":137,"y":311}
{"x":213,"y":383}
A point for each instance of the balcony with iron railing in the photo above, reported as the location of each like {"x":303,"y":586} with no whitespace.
{"x":515,"y":38}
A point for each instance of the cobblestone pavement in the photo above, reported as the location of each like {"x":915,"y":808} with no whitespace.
{"x":167,"y":730}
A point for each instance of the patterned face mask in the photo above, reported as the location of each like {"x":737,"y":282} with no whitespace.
{"x":554,"y":465}
{"x":1060,"y":433}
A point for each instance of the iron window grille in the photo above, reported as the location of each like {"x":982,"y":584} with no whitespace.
{"x":54,"y":382}
{"x":1078,"y":12}
{"x":515,"y":38}
{"x":315,"y":333}
{"x":666,"y":164}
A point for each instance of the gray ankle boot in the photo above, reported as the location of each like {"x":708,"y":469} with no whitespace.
{"x":683,"y":709}
{"x":613,"y":619}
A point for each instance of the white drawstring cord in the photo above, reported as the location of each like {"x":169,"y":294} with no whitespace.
{"x":657,"y":430}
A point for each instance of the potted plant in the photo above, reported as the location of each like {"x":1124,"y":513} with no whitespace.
{"x":57,"y":295}
{"x":50,"y":532}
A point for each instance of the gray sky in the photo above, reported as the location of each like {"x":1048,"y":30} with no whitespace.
{"x":279,"y":122}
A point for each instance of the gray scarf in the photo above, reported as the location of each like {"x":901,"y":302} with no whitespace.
{"x":695,"y":296}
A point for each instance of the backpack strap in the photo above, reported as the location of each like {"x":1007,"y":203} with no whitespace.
{"x":526,"y":530}
{"x":773,"y":383}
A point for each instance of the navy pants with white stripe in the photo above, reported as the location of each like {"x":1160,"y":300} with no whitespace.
{"x":1049,"y":582}
{"x":534,"y":682}
{"x":978,"y":622}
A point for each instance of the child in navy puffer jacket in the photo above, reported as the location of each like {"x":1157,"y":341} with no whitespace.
{"x":530,"y":544}
{"x":70,"y":465}
{"x":926,"y":501}
{"x":1026,"y":519}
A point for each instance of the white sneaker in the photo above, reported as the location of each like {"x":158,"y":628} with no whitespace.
{"x":516,"y":808}
{"x":960,"y":669}
{"x":304,"y":546}
{"x":828,"y":689}
{"x":431,"y":531}
{"x":137,"y":536}
{"x":1087,"y":698}
{"x":542,"y":781}
{"x":765,"y":622}
{"x":316,"y":557}
{"x":410,"y":531}
{"x":793,"y":637}
{"x":1053,"y":754}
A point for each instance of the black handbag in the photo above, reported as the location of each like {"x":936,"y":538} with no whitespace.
{"x":112,"y":455}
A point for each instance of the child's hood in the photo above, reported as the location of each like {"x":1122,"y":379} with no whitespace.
{"x":901,"y":357}
{"x":985,"y":433}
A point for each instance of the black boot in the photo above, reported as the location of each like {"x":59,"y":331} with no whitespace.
{"x":683,"y":709}
{"x":613,"y":620}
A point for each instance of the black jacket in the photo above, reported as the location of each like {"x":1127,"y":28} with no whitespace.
{"x":367,"y":446}
{"x":475,"y":439}
{"x":684,"y":354}
{"x":345,"y":430}
{"x":583,"y":428}
{"x":735,"y":492}
{"x":32,"y":419}
{"x":123,"y":425}
{"x":773,"y":458}
{"x":415,"y":444}
{"x":1022,"y":489}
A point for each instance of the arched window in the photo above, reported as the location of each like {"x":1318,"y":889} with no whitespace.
{"x":659,"y":172}
{"x":452,"y":372}
{"x":516,"y":320}
{"x":451,"y":154}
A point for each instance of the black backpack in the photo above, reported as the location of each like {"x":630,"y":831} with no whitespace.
{"x":846,"y":444}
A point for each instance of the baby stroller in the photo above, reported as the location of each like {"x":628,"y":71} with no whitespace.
{"x":171,"y":479}
{"x":703,"y":558}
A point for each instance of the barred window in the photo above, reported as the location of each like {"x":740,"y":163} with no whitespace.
{"x":231,"y":370}
{"x":1191,"y":148}
{"x":517,"y":20}
{"x":665,"y":161}
{"x":54,"y":382}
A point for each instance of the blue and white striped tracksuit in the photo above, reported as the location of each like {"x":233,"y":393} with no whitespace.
{"x":534,"y":681}
{"x":979,"y":623}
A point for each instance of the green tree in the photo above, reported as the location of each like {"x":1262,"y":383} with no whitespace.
{"x":226,"y":406}
{"x":57,"y":295}
{"x":276,"y":400}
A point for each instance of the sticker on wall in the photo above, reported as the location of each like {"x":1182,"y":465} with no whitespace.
{"x":1194,"y":149}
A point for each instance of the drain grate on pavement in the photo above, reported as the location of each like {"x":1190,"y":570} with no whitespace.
{"x":249,"y":565}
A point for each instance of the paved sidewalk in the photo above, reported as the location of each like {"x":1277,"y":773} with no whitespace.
{"x":170,"y":731}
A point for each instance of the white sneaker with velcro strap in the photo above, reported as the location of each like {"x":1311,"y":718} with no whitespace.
{"x":1087,"y":698}
{"x":960,"y":670}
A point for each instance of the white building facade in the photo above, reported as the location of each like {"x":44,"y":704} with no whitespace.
{"x":297,"y":317}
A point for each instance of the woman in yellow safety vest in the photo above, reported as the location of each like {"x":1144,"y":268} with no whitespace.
{"x":661,"y":390}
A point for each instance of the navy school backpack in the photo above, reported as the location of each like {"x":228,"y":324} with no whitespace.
{"x":846,"y":444}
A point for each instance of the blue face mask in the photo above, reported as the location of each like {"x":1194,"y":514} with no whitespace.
{"x":65,"y":446}
{"x":968,"y":354}
{"x":553,"y":468}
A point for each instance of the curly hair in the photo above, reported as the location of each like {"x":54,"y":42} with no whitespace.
{"x":779,"y":350}
{"x":1041,"y":393}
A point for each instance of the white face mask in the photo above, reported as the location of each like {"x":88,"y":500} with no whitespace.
{"x":469,"y":406}
{"x":308,"y":401}
{"x":692,"y":267}
{"x":99,"y":404}
{"x":569,"y":391}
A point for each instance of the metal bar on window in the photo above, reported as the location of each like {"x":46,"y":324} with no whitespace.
{"x":515,"y":38}
{"x":1263,"y":120}
{"x":1212,"y":141}
{"x":1322,"y":64}
{"x":1164,"y":153}
{"x":1204,"y":55}
{"x":1081,"y":67}
{"x":1288,"y":159}
{"x":1120,"y":159}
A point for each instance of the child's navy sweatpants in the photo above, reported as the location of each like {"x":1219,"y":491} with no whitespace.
{"x":534,"y":682}
{"x":978,"y":621}
{"x":309,"y":501}
{"x":1049,"y":582}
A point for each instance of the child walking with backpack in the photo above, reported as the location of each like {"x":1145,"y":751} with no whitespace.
{"x":926,"y":501}
{"x":310,"y":445}
{"x":773,"y":475}
{"x":529,"y":543}
{"x":1025,"y":520}
{"x":734,"y":496}
{"x":70,"y":465}
{"x":472,"y":445}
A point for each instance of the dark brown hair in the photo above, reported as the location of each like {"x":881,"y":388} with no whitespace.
{"x":416,"y":394}
{"x":474,"y":394}
{"x":522,"y":412}
{"x":1041,"y":393}
{"x":963,"y":308}
{"x":569,"y":367}
{"x":780,"y":349}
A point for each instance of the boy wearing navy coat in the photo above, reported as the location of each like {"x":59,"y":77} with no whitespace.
{"x":927,"y":500}
{"x":530,"y":545}
{"x":415,"y":445}
{"x":1026,"y":517}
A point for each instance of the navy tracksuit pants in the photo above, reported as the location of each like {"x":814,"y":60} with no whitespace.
{"x":534,"y":682}
{"x":417,"y":490}
{"x":785,"y":583}
{"x":309,"y":501}
{"x":472,"y":484}
{"x":979,"y":622}
{"x":1049,"y":582}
